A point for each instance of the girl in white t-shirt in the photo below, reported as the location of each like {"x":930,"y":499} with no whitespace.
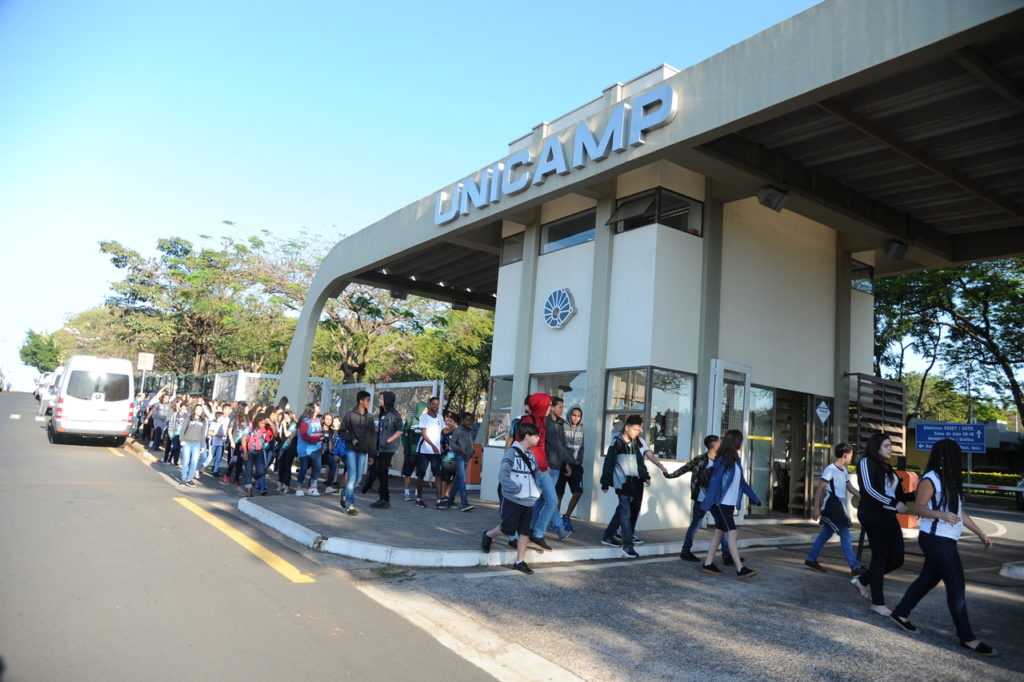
{"x":940,"y":504}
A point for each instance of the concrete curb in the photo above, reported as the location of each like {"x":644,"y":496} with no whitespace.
{"x":1012,"y":570}
{"x":466,"y":558}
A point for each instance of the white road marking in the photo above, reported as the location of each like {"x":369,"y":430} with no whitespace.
{"x":15,"y":416}
{"x":40,"y":419}
{"x":1000,"y":528}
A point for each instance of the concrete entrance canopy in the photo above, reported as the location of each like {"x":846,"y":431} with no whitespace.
{"x":899,"y":124}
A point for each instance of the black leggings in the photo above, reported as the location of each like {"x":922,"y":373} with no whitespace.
{"x":284,"y":465}
{"x":886,"y":540}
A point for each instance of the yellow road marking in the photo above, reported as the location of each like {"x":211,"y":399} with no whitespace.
{"x":274,"y":561}
{"x":116,"y":452}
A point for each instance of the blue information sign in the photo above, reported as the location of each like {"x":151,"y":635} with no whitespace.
{"x":970,"y":437}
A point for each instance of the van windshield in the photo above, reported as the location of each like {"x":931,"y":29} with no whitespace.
{"x":83,"y":385}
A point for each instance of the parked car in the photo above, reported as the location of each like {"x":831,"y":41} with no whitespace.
{"x":94,"y":399}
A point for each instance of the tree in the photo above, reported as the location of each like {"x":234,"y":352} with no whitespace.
{"x":966,"y":317}
{"x":96,"y":331}
{"x":40,"y":351}
{"x":183,"y":301}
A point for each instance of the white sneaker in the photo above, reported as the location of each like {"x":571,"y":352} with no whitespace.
{"x":299,"y":493}
{"x":330,"y":489}
{"x":864,"y":590}
{"x":314,"y":492}
{"x":882,"y":610}
{"x":408,"y":496}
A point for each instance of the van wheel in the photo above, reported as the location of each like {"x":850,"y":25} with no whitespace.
{"x":119,"y":441}
{"x":55,"y":437}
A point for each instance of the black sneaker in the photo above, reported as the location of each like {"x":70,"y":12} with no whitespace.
{"x":630,"y":553}
{"x":727,"y":560}
{"x":485,"y":543}
{"x":687,"y":555}
{"x":859,"y":571}
{"x":711,"y":568}
{"x":541,"y":543}
{"x":611,"y":542}
{"x":467,"y":507}
{"x":522,"y":568}
{"x":981,"y":649}
{"x":905,"y":623}
{"x":513,"y":543}
{"x":814,"y":566}
{"x":745,"y":573}
{"x":380,"y":504}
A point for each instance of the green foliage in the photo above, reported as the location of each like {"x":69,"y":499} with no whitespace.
{"x":40,"y":351}
{"x":965,"y":318}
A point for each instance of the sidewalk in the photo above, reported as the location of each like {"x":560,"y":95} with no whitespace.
{"x":406,"y":535}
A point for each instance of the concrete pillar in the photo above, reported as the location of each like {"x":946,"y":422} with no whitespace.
{"x":710,"y":312}
{"x":525,"y":317}
{"x":843,"y":307}
{"x":597,"y":356}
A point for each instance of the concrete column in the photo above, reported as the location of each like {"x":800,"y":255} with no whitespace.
{"x":843,"y":306}
{"x":710,"y":311}
{"x":597,"y":356}
{"x":525,"y":316}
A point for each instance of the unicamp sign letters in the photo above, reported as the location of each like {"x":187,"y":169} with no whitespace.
{"x":626,"y":126}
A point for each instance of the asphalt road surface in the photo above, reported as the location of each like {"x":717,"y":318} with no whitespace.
{"x":106,"y":575}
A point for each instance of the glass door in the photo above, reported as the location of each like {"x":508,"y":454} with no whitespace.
{"x":820,"y":446}
{"x":759,"y":446}
{"x":729,"y":405}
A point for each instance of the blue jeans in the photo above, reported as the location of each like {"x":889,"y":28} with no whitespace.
{"x":620,"y":522}
{"x":941,"y":562}
{"x":189,"y":459}
{"x":460,"y":483}
{"x":844,"y":542}
{"x":311,"y":463}
{"x":355,"y":465}
{"x":695,"y":521}
{"x":545,"y":511}
{"x":217,"y":451}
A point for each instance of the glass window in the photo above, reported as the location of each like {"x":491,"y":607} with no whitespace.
{"x":499,"y":411}
{"x":627,"y":390}
{"x":83,"y":385}
{"x":570,"y":231}
{"x":671,"y":413}
{"x":862,"y":277}
{"x":660,"y":206}
{"x":569,"y":386}
{"x":664,"y":398}
{"x":512,"y":248}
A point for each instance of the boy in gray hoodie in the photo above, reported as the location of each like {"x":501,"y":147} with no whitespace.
{"x":517,"y":477}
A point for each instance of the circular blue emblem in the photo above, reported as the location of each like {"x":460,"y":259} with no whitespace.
{"x":558,"y":308}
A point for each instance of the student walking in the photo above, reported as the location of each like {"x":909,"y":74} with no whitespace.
{"x":940,"y":504}
{"x":517,"y":476}
{"x":310,"y":435}
{"x":726,"y":489}
{"x":830,"y":507}
{"x":360,"y":436}
{"x":574,"y":458}
{"x":389,"y":435}
{"x":460,"y":444}
{"x":881,"y":498}
{"x":696,"y":467}
{"x":289,"y":449}
{"x":193,"y":435}
{"x":625,"y":471}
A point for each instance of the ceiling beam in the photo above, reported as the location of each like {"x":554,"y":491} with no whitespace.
{"x":820,"y":189}
{"x":937,"y":167}
{"x":972,"y":62}
{"x":1006,"y":242}
{"x":426,"y":289}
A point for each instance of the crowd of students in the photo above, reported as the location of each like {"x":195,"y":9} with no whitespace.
{"x":242,"y":444}
{"x":536,"y":453}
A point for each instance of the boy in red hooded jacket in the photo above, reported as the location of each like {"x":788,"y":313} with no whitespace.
{"x":546,"y":510}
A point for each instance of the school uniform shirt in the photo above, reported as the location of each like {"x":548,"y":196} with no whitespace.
{"x":833,"y":502}
{"x":732,"y":495}
{"x":939,"y":502}
{"x":885,"y":495}
{"x":431,"y":427}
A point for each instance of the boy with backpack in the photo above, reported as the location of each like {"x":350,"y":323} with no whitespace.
{"x":830,"y":507}
{"x":517,"y":476}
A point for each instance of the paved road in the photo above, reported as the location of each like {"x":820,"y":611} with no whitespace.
{"x":105,"y":576}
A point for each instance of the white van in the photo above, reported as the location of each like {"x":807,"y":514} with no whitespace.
{"x":94,"y":398}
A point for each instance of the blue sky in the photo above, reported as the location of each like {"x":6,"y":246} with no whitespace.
{"x":133,"y":121}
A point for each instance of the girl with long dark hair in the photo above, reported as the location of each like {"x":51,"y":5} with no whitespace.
{"x":940,"y":504}
{"x":726,"y":489}
{"x":881,"y":498}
